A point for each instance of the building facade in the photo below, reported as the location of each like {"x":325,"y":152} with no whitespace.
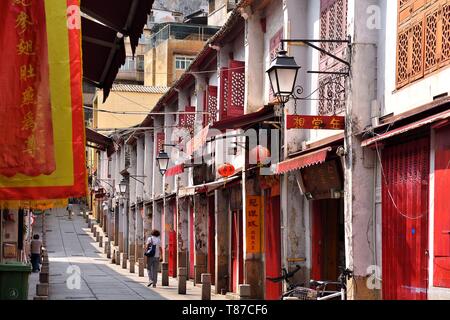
{"x":247,"y":194}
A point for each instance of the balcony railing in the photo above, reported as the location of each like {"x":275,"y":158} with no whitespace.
{"x":180,"y":32}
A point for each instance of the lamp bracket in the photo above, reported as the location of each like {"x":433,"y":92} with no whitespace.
{"x":309,"y":43}
{"x":133,"y":177}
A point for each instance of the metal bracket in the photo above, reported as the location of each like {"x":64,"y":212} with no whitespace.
{"x":309,"y":43}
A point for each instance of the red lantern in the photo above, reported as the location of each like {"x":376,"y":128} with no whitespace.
{"x":258,"y":154}
{"x":226,"y":170}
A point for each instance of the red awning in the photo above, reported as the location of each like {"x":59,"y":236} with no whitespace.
{"x":415,"y":125}
{"x":175,"y":170}
{"x":310,"y":159}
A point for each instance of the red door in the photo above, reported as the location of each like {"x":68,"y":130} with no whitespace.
{"x":211,"y":239}
{"x":173,"y":243}
{"x":191,"y":242}
{"x":237,"y":261}
{"x":325,"y":240}
{"x":272,"y":245}
{"x":441,"y":263}
{"x":405,"y":188}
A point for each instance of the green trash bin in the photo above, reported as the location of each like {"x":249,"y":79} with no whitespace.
{"x":14,"y":280}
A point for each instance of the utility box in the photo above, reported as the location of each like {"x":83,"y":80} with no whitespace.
{"x":14,"y":281}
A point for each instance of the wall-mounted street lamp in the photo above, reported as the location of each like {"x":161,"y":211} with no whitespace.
{"x":123,"y":186}
{"x":163,"y":162}
{"x":283,"y":73}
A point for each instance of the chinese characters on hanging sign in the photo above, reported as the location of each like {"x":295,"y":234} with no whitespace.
{"x":315,"y":122}
{"x":253,"y":230}
{"x":28,"y":147}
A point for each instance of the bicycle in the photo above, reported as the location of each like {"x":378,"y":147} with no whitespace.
{"x":341,"y":284}
{"x":319,"y":292}
{"x":294,"y":291}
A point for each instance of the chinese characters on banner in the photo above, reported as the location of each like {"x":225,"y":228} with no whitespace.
{"x":42,"y":152}
{"x":26,"y":122}
{"x":253,"y":220}
{"x":315,"y":122}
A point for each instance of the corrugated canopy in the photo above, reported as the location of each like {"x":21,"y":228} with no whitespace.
{"x":303,"y":161}
{"x":404,"y":129}
{"x":103,"y":44}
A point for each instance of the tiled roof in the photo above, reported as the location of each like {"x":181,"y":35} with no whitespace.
{"x":138,"y":88}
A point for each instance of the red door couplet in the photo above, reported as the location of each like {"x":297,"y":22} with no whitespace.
{"x":405,"y":188}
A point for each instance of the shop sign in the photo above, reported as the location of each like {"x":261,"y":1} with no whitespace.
{"x":253,"y":220}
{"x":315,"y":122}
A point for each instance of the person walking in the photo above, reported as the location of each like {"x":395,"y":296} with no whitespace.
{"x":154,"y":257}
{"x":36,"y":250}
{"x":70,"y":210}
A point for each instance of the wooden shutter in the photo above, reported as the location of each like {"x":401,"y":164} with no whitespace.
{"x":333,"y":24}
{"x":236,"y":88}
{"x":188,"y":120}
{"x":441,"y":212}
{"x":160,"y":137}
{"x":416,"y":47}
{"x":423,"y":41}
{"x":433,"y":39}
{"x":445,"y":34}
{"x":223,"y":93}
{"x":210,"y":105}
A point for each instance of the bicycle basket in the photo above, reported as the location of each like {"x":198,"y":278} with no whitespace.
{"x":302,"y":293}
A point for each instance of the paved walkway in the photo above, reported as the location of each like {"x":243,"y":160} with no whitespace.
{"x":72,"y":250}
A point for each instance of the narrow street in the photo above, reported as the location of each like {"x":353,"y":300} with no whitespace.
{"x":70,"y":244}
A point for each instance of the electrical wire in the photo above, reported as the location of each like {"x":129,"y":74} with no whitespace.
{"x":389,"y":192}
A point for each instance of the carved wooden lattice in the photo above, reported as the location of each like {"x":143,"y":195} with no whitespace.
{"x":423,"y":42}
{"x":236,"y":87}
{"x":210,"y":103}
{"x":446,"y":32}
{"x":160,"y":141}
{"x":333,"y":26}
{"x":332,"y":94}
{"x":187,"y":120}
{"x":431,"y":41}
{"x":223,"y":93}
{"x":402,"y":58}
{"x":417,"y":50}
{"x":333,"y":23}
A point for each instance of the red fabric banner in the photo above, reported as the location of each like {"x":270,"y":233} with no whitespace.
{"x":26,"y":121}
{"x":42,"y":153}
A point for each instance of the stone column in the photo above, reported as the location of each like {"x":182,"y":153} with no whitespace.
{"x":139,"y":232}
{"x":165,"y":274}
{"x":200,"y":235}
{"x":206,"y":286}
{"x":222,"y":239}
{"x":182,"y":277}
